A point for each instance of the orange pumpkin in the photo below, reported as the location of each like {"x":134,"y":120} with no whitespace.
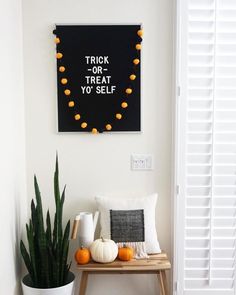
{"x":82,"y":255}
{"x":125,"y":253}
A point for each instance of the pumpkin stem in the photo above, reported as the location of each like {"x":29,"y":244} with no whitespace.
{"x":103,"y":240}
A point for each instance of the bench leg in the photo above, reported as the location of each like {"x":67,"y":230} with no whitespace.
{"x":162,"y":282}
{"x":83,"y":283}
{"x":165,"y":281}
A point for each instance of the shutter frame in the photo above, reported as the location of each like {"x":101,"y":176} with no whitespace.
{"x":206,"y":143}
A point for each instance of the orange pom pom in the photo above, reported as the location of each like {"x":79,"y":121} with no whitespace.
{"x":84,"y":125}
{"x":108,"y":127}
{"x":124,"y":105}
{"x":94,"y":131}
{"x":71,"y":104}
{"x":132,"y":77}
{"x":138,"y":46}
{"x":57,"y":40}
{"x":67,"y":92}
{"x":59,"y":55}
{"x":118,"y":116}
{"x":61,"y":69}
{"x":128,"y":91}
{"x":77,"y":117}
{"x":140,"y":33}
{"x":64,"y":81}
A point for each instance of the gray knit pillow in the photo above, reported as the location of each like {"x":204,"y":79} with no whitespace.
{"x":127,"y":225}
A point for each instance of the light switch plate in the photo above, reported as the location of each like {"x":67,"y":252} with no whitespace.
{"x":141,"y":162}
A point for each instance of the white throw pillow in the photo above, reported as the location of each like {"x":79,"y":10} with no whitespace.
{"x":147,"y":204}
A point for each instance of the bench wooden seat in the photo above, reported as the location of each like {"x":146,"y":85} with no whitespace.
{"x":155,"y":264}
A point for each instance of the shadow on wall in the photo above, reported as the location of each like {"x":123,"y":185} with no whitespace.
{"x":16,"y":236}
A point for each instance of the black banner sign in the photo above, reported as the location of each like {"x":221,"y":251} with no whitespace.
{"x":98,"y":77}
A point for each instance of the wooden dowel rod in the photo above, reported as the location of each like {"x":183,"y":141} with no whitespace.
{"x":75,"y":229}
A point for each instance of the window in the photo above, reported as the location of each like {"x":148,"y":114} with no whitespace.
{"x":206,"y":170}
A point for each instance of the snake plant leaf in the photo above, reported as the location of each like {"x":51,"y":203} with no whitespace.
{"x":57,"y":265}
{"x":66,"y":271}
{"x":55,"y":232}
{"x":39,"y":202}
{"x":33,"y":215}
{"x":64,"y":262}
{"x":60,"y":213}
{"x":39,"y":211}
{"x":41,"y":237}
{"x":26,"y":258}
{"x":57,"y":221}
{"x":66,"y":233}
{"x":63,"y":196}
{"x":49,"y":230}
{"x":30,"y":237}
{"x":65,"y":248}
{"x":55,"y":274}
{"x":49,"y":248}
{"x":56,"y":184}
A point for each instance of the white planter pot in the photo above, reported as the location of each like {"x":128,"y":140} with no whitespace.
{"x":63,"y":290}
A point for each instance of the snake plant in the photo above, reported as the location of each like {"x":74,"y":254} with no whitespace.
{"x":46,"y":257}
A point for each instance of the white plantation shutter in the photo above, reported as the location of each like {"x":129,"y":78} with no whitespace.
{"x":206,"y":231}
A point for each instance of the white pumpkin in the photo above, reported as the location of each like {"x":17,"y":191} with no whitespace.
{"x":104,"y":250}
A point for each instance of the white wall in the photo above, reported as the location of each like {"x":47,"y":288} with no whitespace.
{"x":12,"y":157}
{"x":100,"y":164}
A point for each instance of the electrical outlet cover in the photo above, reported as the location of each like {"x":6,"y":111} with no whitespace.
{"x":141,"y":162}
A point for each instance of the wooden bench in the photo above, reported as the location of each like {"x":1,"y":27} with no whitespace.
{"x":155,"y":264}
